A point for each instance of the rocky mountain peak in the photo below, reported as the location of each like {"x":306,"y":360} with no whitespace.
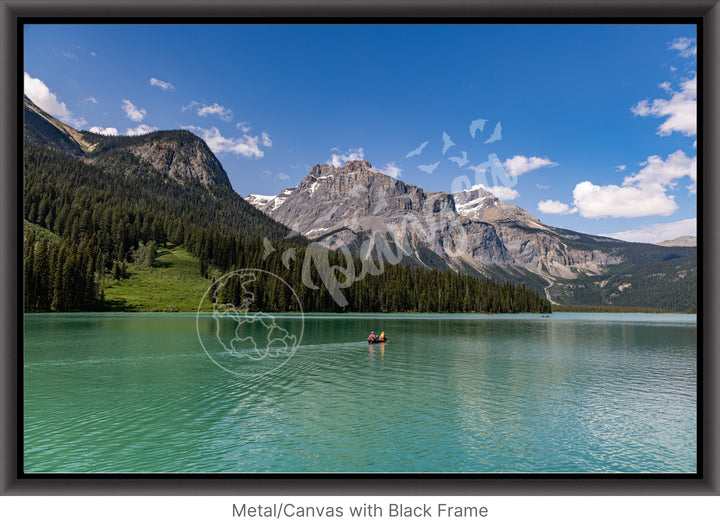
{"x":470,"y":230}
{"x":350,"y":168}
{"x":481,"y":205}
{"x":181,"y":155}
{"x":321,"y":169}
{"x":354,"y":166}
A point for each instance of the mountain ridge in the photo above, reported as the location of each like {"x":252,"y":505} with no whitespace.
{"x":363,"y":210}
{"x":180,"y":154}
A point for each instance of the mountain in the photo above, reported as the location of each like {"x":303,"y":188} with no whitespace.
{"x":684,"y":241}
{"x":167,"y":170}
{"x":472,"y":231}
{"x":179,"y":154}
{"x":41,"y":129}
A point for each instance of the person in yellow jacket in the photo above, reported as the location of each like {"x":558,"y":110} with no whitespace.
{"x":382,"y":335}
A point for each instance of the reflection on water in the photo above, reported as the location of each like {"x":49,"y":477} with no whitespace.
{"x":574,"y":393}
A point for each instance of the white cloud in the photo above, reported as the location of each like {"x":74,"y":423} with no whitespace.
{"x":243,"y":126}
{"x":665,"y":85}
{"x":48,"y":101}
{"x":519,"y":164}
{"x":70,"y":55}
{"x":658,"y":232}
{"x":392,"y":170}
{"x":142,"y":129}
{"x":655,"y":171}
{"x":132,"y":112}
{"x":108,"y":131}
{"x":620,"y":168}
{"x":339,"y":159}
{"x":164,"y":85}
{"x":266,"y":141}
{"x":594,"y":201}
{"x":217,"y":110}
{"x":214,"y":109}
{"x":283,"y":176}
{"x":684,"y":46}
{"x":500,"y":192}
{"x":555,"y":207}
{"x":641,"y":194}
{"x":680,"y":110}
{"x":246,"y":146}
{"x":90,"y":99}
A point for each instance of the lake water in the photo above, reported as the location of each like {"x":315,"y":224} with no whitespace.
{"x":581,"y":393}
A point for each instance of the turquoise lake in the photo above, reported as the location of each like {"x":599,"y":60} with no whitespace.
{"x":578,"y":393}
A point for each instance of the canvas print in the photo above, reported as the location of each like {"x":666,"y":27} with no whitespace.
{"x":360,"y":248}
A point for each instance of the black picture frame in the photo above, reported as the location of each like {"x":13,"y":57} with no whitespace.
{"x":14,"y":14}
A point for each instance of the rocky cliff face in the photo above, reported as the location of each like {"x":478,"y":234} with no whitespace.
{"x":355,"y":204}
{"x":181,"y":155}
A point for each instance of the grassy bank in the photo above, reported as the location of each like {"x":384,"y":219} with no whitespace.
{"x":173,"y":284}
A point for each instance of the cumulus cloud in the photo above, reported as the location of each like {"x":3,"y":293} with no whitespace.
{"x":595,"y":201}
{"x":164,"y":85}
{"x":680,"y":110}
{"x":555,"y":207}
{"x":392,"y":170}
{"x":133,"y":113}
{"x":519,"y":164}
{"x":658,"y":232}
{"x":217,"y":110}
{"x":214,"y":109}
{"x":107,"y":131}
{"x":339,"y":159}
{"x":245,"y":146}
{"x":620,"y":168}
{"x":48,"y":101}
{"x":685,"y":46}
{"x":666,"y":172}
{"x":266,"y":141}
{"x":500,"y":192}
{"x":642,"y":194}
{"x":142,"y":129}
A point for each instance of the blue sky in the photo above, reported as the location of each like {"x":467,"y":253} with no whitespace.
{"x":587,"y":127}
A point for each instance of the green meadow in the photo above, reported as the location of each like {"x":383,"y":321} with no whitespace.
{"x":173,"y":284}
